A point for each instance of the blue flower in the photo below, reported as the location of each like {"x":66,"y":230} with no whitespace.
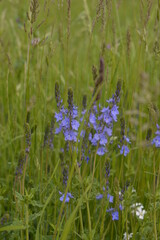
{"x":108,"y":131}
{"x":82,"y":133}
{"x":70,"y":135}
{"x":110,"y":198}
{"x":64,"y":110}
{"x":58,"y":116}
{"x":114,"y":112}
{"x":158,"y":130}
{"x":127,"y":139}
{"x":103,"y":140}
{"x":120,"y":207}
{"x":74,"y":112}
{"x":100,"y":196}
{"x":92,"y":119}
{"x":95,"y":139}
{"x":58,"y":130}
{"x":101,"y":151}
{"x":68,"y":196}
{"x":115,"y":215}
{"x":156,"y":140}
{"x":110,"y":210}
{"x":75,"y":124}
{"x":111,"y":100}
{"x":105,"y":110}
{"x":65,"y":123}
{"x":124,"y":150}
{"x":87,"y":159}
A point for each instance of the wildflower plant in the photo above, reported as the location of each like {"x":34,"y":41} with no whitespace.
{"x":70,"y":179}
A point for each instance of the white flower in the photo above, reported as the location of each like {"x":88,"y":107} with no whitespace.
{"x":138,"y":209}
{"x":134,"y":207}
{"x":133,"y":190}
{"x":140,"y":212}
{"x":127,"y":237}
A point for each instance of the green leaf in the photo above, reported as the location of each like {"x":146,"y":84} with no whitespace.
{"x":12,"y":228}
{"x":19,"y":196}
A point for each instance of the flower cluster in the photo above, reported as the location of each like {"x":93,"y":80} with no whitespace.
{"x":102,"y":122}
{"x":67,"y":120}
{"x":98,"y":128}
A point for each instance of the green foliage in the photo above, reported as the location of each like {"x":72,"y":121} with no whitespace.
{"x":61,"y":43}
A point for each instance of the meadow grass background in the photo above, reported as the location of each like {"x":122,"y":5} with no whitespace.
{"x":62,"y":45}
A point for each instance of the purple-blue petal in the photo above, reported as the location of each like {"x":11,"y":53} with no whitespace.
{"x":101,"y":151}
{"x":110,"y":198}
{"x":115,"y":215}
{"x":100,"y":196}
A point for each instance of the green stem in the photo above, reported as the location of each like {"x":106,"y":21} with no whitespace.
{"x":27,"y":217}
{"x":23,"y":183}
{"x":81,"y":221}
{"x":89,"y":221}
{"x":154,"y":189}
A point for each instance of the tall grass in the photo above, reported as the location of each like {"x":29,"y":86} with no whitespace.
{"x":85,"y":46}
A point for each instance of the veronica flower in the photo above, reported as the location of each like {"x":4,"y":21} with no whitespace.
{"x":87,"y":159}
{"x":124,"y":150}
{"x":124,"y":140}
{"x":101,"y":151}
{"x":156,"y":140}
{"x":92,"y":119}
{"x":70,"y":135}
{"x":58,"y":130}
{"x":121,"y":207}
{"x":103,"y":124}
{"x":114,"y":213}
{"x":100,"y":196}
{"x":68,"y":196}
{"x":110,"y":198}
{"x":66,"y":119}
{"x":59,"y":116}
{"x":114,"y":112}
{"x":75,"y":124}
